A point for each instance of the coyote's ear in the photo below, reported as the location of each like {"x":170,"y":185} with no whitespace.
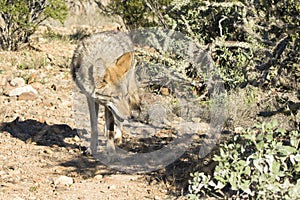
{"x":124,"y":62}
{"x":115,"y":73}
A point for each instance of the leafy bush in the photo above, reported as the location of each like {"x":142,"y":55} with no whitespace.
{"x":263,"y":162}
{"x":251,"y":42}
{"x":138,"y":13}
{"x":19,"y":19}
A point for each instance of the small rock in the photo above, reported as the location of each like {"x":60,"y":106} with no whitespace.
{"x":17,"y":82}
{"x":98,"y":177}
{"x":20,"y":90}
{"x":27,"y":96}
{"x":63,"y":180}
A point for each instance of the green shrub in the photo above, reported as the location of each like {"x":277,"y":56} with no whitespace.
{"x":139,"y":13}
{"x":20,"y":19}
{"x":254,"y":43}
{"x":251,"y":42}
{"x":263,"y":162}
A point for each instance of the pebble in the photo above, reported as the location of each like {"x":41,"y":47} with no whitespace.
{"x":63,"y":180}
{"x":17,"y":82}
{"x":98,"y":177}
{"x":18,"y":91}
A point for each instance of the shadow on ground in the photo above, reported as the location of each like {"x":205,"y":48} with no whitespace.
{"x":43,"y":134}
{"x":174,"y":176}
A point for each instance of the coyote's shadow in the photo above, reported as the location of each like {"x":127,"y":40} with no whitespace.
{"x":32,"y":131}
{"x":42,"y":134}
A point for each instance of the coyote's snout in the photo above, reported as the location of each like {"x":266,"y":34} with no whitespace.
{"x":103,"y":68}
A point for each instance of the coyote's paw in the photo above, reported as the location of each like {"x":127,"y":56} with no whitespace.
{"x":118,"y":137}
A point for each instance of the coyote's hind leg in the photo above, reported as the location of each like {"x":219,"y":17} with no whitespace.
{"x":93,"y":109}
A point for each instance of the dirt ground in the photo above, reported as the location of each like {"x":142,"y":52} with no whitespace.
{"x":41,"y":156}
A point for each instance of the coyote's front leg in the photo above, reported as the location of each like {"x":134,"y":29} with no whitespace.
{"x":109,"y":131}
{"x":118,"y":135}
{"x":93,"y":109}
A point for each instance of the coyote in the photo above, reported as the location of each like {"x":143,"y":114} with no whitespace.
{"x":103,"y":68}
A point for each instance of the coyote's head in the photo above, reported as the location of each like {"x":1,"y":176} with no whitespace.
{"x":118,"y":87}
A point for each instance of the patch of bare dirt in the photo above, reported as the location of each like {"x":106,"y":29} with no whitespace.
{"x":32,"y":171}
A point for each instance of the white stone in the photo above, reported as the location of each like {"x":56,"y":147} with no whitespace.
{"x":20,"y":90}
{"x":17,"y":82}
{"x":98,"y":177}
{"x":63,"y":180}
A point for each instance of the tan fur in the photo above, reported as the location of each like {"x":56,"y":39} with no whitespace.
{"x":115,"y":73}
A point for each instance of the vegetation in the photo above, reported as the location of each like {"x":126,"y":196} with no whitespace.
{"x":263,"y":162}
{"x":139,"y":13}
{"x":252,"y":42}
{"x":20,"y":18}
{"x":256,"y":47}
